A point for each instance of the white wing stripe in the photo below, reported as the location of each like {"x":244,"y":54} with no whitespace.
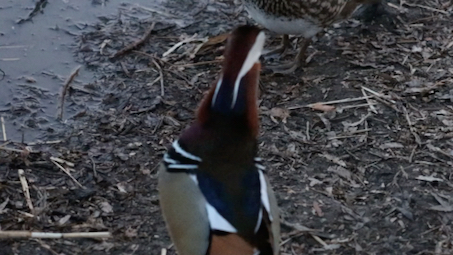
{"x":260,"y":218}
{"x":194,"y":178}
{"x":264,"y":195}
{"x":217,"y":222}
{"x":252,"y":57}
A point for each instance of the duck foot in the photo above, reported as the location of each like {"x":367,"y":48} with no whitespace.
{"x":299,"y":61}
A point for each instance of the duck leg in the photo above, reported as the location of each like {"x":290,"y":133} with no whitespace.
{"x":298,"y":61}
{"x":281,"y":49}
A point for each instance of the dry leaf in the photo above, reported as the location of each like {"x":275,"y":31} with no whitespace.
{"x":130,"y":232}
{"x":121,"y":187}
{"x":340,"y":171}
{"x":30,"y":79}
{"x":416,"y":48}
{"x":318,"y":209}
{"x":104,"y":246}
{"x":3,"y":205}
{"x":391,"y":146}
{"x":106,"y":207}
{"x":334,"y":159}
{"x":63,"y":220}
{"x":441,"y":208}
{"x":329,"y":191}
{"x":213,"y":41}
{"x":216,"y":39}
{"x":280,"y":113}
{"x":428,"y":178}
{"x":322,"y":107}
{"x":314,"y":181}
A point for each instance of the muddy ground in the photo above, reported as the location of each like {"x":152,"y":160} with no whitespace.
{"x":369,"y":173}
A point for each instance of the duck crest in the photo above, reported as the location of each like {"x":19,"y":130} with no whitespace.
{"x":234,"y":93}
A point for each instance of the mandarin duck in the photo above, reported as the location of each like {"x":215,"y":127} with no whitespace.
{"x":214,"y":194}
{"x":300,"y":17}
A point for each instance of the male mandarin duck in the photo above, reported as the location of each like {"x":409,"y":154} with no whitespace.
{"x":300,"y":17}
{"x":214,"y":194}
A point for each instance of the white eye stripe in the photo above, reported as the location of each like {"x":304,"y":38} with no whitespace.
{"x":184,"y":153}
{"x":260,"y":167}
{"x":169,"y":160}
{"x":216,"y":91}
{"x":182,"y":166}
{"x":252,"y":57}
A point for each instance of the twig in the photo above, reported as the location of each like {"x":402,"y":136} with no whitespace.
{"x":94,"y":167}
{"x":319,"y":240}
{"x":26,"y":214}
{"x":3,"y":128}
{"x":383,"y":99}
{"x":379,"y":95}
{"x":298,"y":227}
{"x":353,"y":134}
{"x":3,"y":47}
{"x":357,"y":106}
{"x":10,"y":149}
{"x":179,"y":44}
{"x":283,"y":242}
{"x":161,"y":75}
{"x":426,"y":8}
{"x":124,"y":67}
{"x":200,"y":63}
{"x":65,"y":89}
{"x":147,"y":109}
{"x":439,"y":150}
{"x":30,"y":234}
{"x":155,"y":80}
{"x":62,"y":161}
{"x":355,"y":124}
{"x":26,"y":189}
{"x":5,"y":143}
{"x":67,"y":172}
{"x":372,"y":108}
{"x":411,"y":127}
{"x":153,"y":10}
{"x":3,"y":74}
{"x":411,"y":157}
{"x":135,"y":44}
{"x":39,"y":6}
{"x":44,"y":142}
{"x":9,"y":59}
{"x":46,"y":246}
{"x":346,"y":100}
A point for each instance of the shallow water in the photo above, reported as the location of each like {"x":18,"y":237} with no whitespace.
{"x":37,"y":56}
